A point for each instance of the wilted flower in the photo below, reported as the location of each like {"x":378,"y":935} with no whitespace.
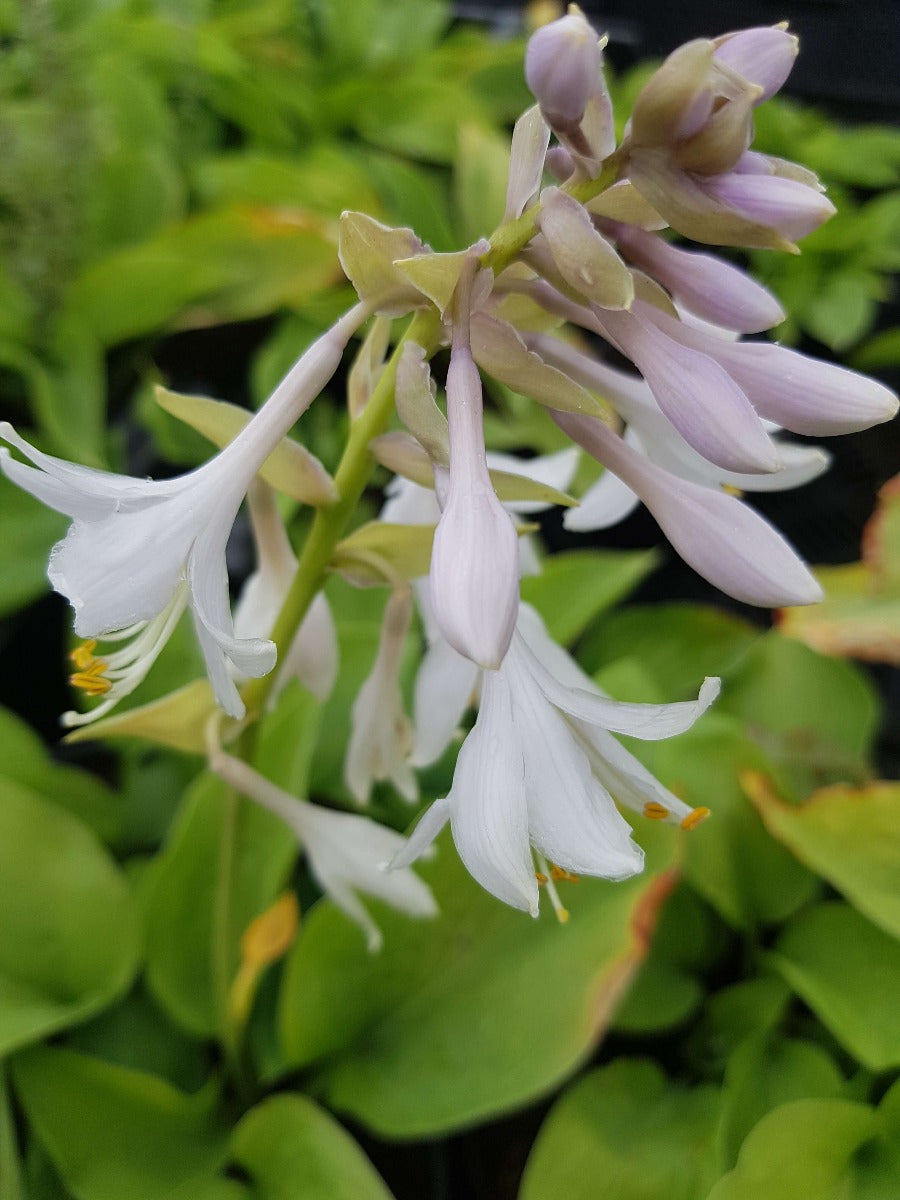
{"x":313,"y":655}
{"x":381,"y":734}
{"x":138,"y":551}
{"x":536,"y":779}
{"x":347,"y":852}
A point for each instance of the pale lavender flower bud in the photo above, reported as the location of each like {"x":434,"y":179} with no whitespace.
{"x":799,"y":393}
{"x":563,"y":62}
{"x":559,"y":162}
{"x":711,"y":288}
{"x":695,"y":392}
{"x":786,"y":205}
{"x":722,"y":539}
{"x":763,"y":55}
{"x":474,"y":578}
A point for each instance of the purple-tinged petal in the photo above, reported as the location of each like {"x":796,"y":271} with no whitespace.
{"x":724,"y":541}
{"x":764,"y":55}
{"x":786,"y":205}
{"x":563,"y":62}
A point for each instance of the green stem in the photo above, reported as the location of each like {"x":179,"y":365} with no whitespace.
{"x":330,"y":524}
{"x":511,"y":238}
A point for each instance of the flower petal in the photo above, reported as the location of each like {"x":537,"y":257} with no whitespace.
{"x":443,"y":692}
{"x":489,"y":815}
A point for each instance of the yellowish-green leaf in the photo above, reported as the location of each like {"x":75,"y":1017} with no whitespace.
{"x":178,"y":720}
{"x":290,"y":468}
{"x":851,"y":836}
{"x":846,"y":969}
{"x":379,"y":553}
{"x":368,"y":251}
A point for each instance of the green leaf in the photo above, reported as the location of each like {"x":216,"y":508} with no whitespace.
{"x":662,"y":997}
{"x":576,"y":586}
{"x":10,"y":1168}
{"x":850,"y":836}
{"x":626,"y":1132}
{"x":27,"y":531}
{"x":679,"y":644}
{"x":799,"y":1149}
{"x":880,"y":351}
{"x":479,"y":181}
{"x":68,"y":939}
{"x":495,"y":1006}
{"x":223,"y":864}
{"x":744,"y":1010}
{"x":846,"y":970}
{"x":820,"y":742}
{"x":293,"y":1150}
{"x":763,"y":1073}
{"x":113,"y":1132}
{"x":749,"y":878}
{"x":844,"y":309}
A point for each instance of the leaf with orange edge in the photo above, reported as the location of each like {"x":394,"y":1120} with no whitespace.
{"x":860,"y":615}
{"x":498,"y":1007}
{"x":850,"y":836}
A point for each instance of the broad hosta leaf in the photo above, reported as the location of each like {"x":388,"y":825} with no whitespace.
{"x":662,"y":997}
{"x":497,"y":1007}
{"x":846,"y":970}
{"x":479,"y":180}
{"x":678,"y":644}
{"x":749,"y":878}
{"x":223,"y":865}
{"x":851,"y":836}
{"x":860,"y":615}
{"x":290,"y":468}
{"x":818,"y":743}
{"x":113,"y":1132}
{"x":761,"y":1074}
{"x":293,"y":1150}
{"x":799,"y":1149}
{"x":69,"y":941}
{"x":575,"y":587}
{"x":626,"y":1132}
{"x":751,"y":1008}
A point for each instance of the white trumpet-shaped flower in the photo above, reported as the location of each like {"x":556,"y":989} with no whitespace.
{"x":537,"y":777}
{"x":139,"y":551}
{"x":347,"y":853}
{"x":381,"y":733}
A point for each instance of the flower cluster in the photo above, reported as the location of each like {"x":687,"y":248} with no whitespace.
{"x":583,"y":259}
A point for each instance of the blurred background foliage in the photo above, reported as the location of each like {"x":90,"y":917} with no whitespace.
{"x":171,"y":174}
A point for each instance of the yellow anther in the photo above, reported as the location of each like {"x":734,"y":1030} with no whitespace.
{"x":269,"y":935}
{"x":730,"y":490}
{"x":90,"y":679}
{"x":654,"y":811}
{"x":562,"y":914}
{"x":559,"y":875}
{"x":693,"y":819}
{"x":82,"y":656}
{"x":541,"y":878}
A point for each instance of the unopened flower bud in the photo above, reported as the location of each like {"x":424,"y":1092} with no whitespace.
{"x":764,"y":56}
{"x":562,"y":65}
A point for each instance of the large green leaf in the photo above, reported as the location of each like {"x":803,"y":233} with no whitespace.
{"x":799,"y":1149}
{"x":764,"y":1072}
{"x":626,"y":1132}
{"x":496,"y":1007}
{"x":677,"y":643}
{"x":10,"y":1167}
{"x":575,"y":587}
{"x":851,"y":836}
{"x":118,"y":1134}
{"x":223,"y":865}
{"x":846,"y":970}
{"x":749,"y":878}
{"x":68,"y":939}
{"x":293,"y":1150}
{"x":815,"y":715}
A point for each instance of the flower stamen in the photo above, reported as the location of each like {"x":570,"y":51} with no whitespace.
{"x":654,"y":811}
{"x":694,"y":818}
